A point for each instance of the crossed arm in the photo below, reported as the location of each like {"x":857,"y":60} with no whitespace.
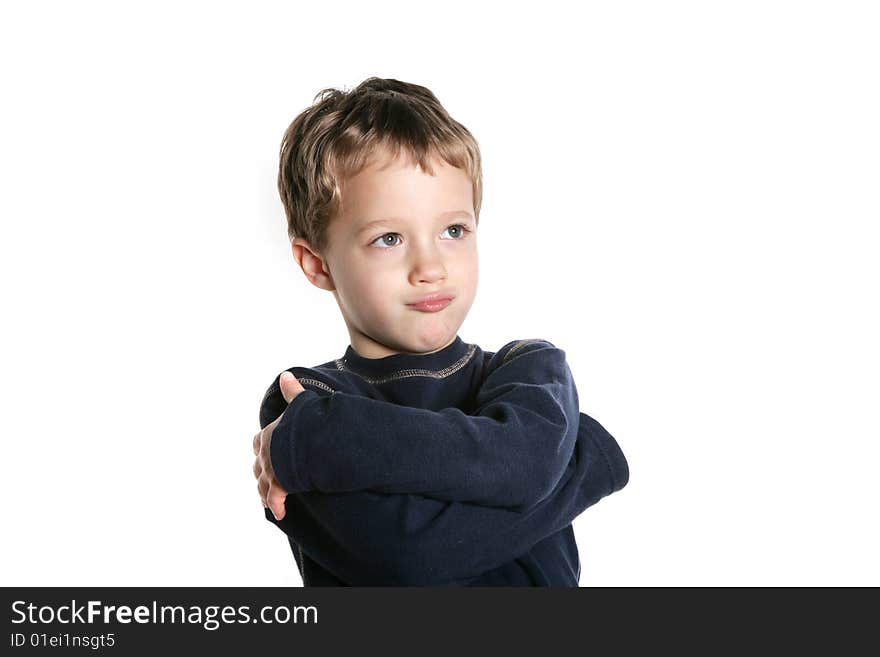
{"x":375,"y":508}
{"x":510,"y":452}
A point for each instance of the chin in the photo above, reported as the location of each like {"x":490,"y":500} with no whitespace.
{"x":434,"y":340}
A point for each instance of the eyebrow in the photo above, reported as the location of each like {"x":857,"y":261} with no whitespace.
{"x":389,"y":220}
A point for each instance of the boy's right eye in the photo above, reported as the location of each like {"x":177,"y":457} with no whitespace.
{"x":381,"y":239}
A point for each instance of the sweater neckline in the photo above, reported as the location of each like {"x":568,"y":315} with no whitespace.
{"x":431,"y":363}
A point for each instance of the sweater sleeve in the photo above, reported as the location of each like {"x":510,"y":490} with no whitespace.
{"x":377,"y":539}
{"x":509,"y":452}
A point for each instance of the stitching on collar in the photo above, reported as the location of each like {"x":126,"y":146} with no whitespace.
{"x":402,"y":374}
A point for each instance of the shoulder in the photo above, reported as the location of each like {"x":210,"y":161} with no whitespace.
{"x":524,"y":352}
{"x":516,"y":348}
{"x":320,"y":379}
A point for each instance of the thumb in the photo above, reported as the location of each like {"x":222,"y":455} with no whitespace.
{"x":290,"y":387}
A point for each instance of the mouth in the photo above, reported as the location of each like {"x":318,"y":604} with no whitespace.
{"x":431,"y":303}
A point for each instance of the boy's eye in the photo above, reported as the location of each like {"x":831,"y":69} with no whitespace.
{"x":384,"y":239}
{"x":461,"y":229}
{"x":383,"y":242}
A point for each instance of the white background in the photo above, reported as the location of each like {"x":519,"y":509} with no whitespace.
{"x":681,"y":195}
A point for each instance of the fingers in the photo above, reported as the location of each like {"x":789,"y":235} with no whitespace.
{"x":263,"y":481}
{"x":284,"y":384}
{"x":271,"y":493}
{"x":263,"y":490}
{"x":276,"y":499}
{"x":290,"y":386}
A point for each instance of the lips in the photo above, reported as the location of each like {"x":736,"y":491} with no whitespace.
{"x":439,"y":296}
{"x":431,"y":303}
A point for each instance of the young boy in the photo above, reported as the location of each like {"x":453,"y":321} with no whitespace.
{"x":416,"y":458}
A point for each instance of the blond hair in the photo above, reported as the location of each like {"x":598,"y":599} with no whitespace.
{"x":338,"y":135}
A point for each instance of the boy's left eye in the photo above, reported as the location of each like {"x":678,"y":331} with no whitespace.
{"x":461,"y":231}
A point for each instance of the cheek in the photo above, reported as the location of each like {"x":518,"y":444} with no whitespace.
{"x":469,"y":263}
{"x":358,"y":272}
{"x":372,"y":287}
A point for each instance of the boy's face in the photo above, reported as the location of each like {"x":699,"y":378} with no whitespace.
{"x":426,"y":245}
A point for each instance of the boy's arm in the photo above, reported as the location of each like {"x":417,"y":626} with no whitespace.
{"x":510,"y":452}
{"x":368,"y":538}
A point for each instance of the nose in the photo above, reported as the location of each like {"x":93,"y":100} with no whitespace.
{"x":427,"y":265}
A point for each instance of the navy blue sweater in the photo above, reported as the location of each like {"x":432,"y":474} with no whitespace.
{"x":456,"y":468}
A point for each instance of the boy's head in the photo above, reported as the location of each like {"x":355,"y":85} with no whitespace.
{"x":386,"y":150}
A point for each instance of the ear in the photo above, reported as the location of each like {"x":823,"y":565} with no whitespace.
{"x":312,"y":264}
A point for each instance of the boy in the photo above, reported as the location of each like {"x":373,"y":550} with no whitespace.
{"x":416,"y":458}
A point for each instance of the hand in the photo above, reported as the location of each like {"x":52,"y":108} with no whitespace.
{"x":271,"y":493}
